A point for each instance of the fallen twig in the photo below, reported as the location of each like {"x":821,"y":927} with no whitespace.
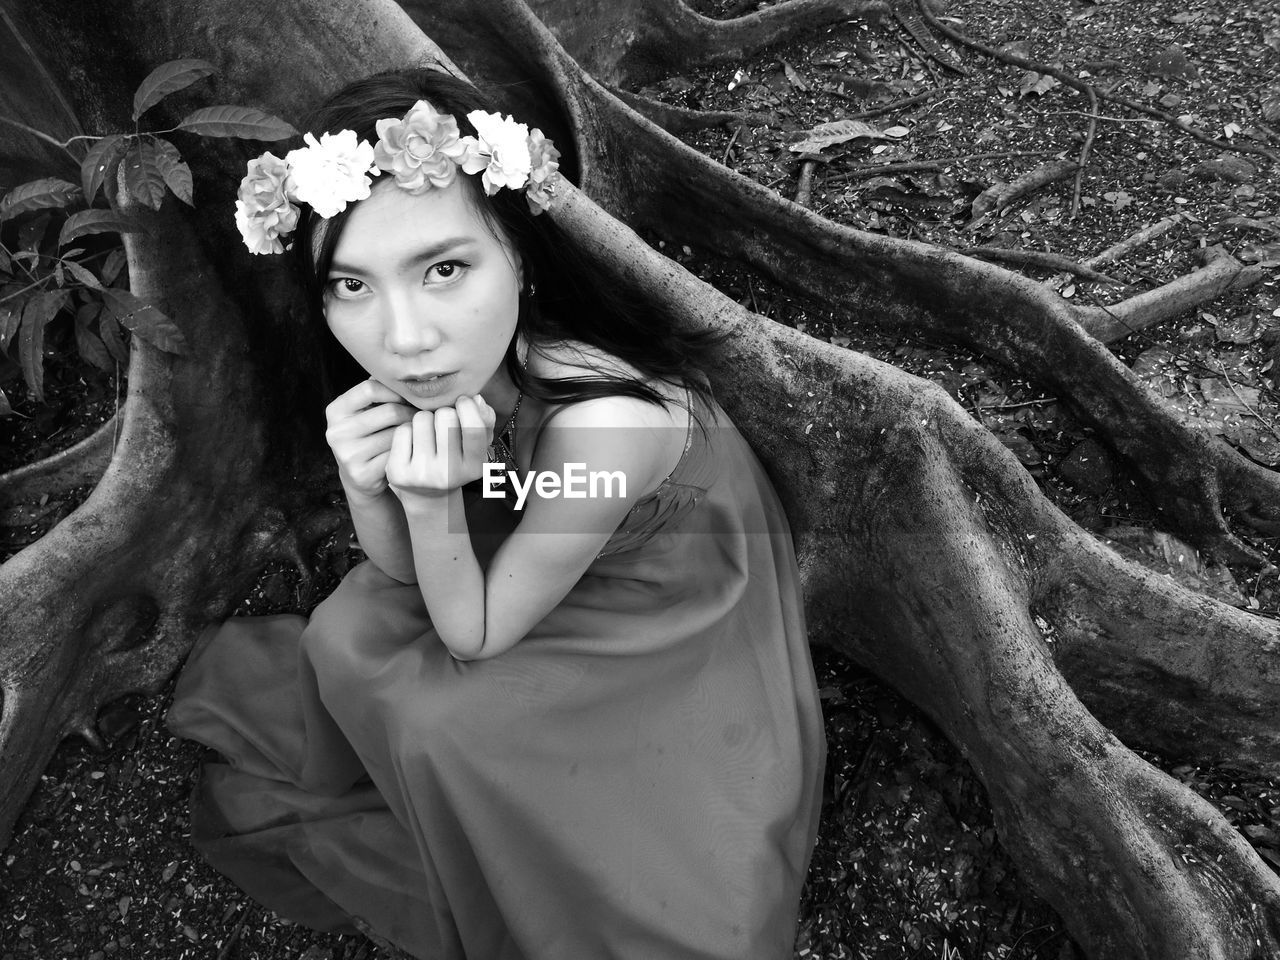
{"x":804,"y":188}
{"x":1000,"y":195}
{"x":1040,"y":258}
{"x":908,"y":166}
{"x":1085,"y":151}
{"x":1245,"y":403}
{"x":1130,"y":243}
{"x":728,"y":149}
{"x":895,"y":105}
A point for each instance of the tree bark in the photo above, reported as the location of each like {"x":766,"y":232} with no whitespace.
{"x":928,"y":554}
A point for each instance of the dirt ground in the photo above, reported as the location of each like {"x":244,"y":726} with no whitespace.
{"x":908,"y":864}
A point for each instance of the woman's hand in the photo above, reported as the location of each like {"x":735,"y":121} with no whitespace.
{"x":440,"y":451}
{"x":361,"y":426}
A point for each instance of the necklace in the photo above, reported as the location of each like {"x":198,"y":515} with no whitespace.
{"x":503,"y":448}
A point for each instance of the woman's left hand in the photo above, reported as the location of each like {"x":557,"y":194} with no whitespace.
{"x":440,"y":451}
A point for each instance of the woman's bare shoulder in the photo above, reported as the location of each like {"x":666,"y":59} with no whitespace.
{"x":567,"y":359}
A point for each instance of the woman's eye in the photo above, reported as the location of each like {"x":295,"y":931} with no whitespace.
{"x":346,"y":287}
{"x":446,"y":270}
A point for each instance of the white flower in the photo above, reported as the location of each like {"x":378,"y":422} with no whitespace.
{"x":263,"y":212}
{"x":505,"y":145}
{"x":543,"y":164}
{"x":422,"y":149}
{"x":332,"y":172}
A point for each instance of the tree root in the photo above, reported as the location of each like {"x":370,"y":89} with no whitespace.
{"x":663,"y":185}
{"x":123,"y":625}
{"x":75,"y":466}
{"x":968,"y":591}
{"x":623,"y":43}
{"x":927,"y":552}
{"x":1040,"y":259}
{"x":685,"y":38}
{"x":678,"y":120}
{"x":1222,"y":273}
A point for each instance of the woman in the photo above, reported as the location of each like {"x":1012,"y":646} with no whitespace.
{"x":545,"y":726}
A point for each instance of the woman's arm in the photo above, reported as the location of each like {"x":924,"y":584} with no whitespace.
{"x":361,"y":426}
{"x":383,"y":533}
{"x":479,"y":615}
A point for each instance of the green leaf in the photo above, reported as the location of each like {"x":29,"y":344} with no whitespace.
{"x":38,"y":195}
{"x":11,"y":313}
{"x":39,"y":310}
{"x":144,"y":320}
{"x":112,"y":266}
{"x":83,"y":275}
{"x":232,"y":121}
{"x":166,"y":79}
{"x":142,"y":177}
{"x":110,"y":331}
{"x":176,"y":173}
{"x":31,"y":235}
{"x":90,"y":345}
{"x":86,"y":222}
{"x":5,"y":409}
{"x":5,"y":263}
{"x":97,"y":163}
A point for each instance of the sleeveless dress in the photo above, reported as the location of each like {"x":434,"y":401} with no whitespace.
{"x":638,"y":778}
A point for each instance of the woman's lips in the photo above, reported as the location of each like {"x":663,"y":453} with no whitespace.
{"x":429,"y":386}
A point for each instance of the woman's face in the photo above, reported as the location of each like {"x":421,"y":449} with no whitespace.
{"x":424,"y":296}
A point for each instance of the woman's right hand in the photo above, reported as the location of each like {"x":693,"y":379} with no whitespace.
{"x":361,"y":423}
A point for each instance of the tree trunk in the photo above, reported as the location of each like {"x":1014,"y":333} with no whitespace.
{"x":928,"y":553}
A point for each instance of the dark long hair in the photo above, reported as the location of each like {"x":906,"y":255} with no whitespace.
{"x":564,"y":298}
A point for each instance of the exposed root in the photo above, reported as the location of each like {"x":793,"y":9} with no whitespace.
{"x":1041,"y":259}
{"x":78,"y":625}
{"x":665,"y":186}
{"x":75,"y":466}
{"x":1221,"y":274}
{"x":680,"y":38}
{"x":915,"y":492}
{"x":678,"y":120}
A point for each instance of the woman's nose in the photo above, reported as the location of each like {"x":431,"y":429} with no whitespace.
{"x":409,"y":328}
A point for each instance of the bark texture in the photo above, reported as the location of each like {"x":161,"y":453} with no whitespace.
{"x":928,"y":553}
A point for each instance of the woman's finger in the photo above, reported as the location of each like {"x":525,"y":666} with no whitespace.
{"x":380,"y":416}
{"x":401,"y":450}
{"x":424,"y":435}
{"x":475,"y":435}
{"x":363,"y":394}
{"x":448,"y":435}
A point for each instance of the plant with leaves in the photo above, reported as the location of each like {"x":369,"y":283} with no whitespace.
{"x":73,"y":272}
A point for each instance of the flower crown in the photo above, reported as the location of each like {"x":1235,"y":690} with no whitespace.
{"x":422,"y":150}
